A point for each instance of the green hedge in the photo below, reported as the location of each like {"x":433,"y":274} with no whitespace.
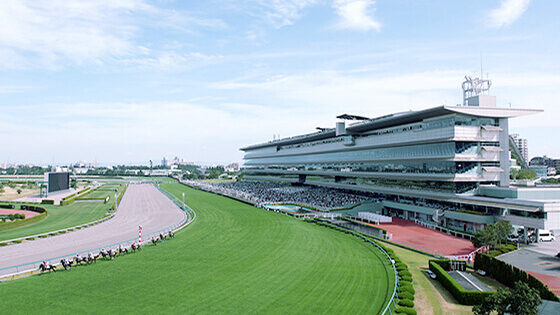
{"x":507,"y":275}
{"x":463,"y":296}
{"x":406,"y":302}
{"x":47,"y":202}
{"x":406,"y":295}
{"x":405,"y":310}
{"x":119,"y":197}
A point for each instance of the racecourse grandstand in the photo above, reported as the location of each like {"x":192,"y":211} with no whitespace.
{"x":447,"y":165}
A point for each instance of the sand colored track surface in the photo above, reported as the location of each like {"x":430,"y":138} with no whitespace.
{"x":408,"y":233}
{"x":142,"y":204}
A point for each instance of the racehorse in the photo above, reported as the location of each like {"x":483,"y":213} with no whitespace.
{"x":45,"y":266}
{"x":154,"y":240}
{"x":134,"y":247}
{"x":161,"y":236}
{"x":66,"y":264}
{"x":79,"y":259}
{"x":122,"y":250}
{"x":112,"y":253}
{"x":171,"y":234}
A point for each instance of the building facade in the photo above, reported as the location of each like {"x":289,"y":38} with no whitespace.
{"x":522,"y":145}
{"x":447,"y":165}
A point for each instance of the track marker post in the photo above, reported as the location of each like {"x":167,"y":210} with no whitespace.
{"x":183,"y":200}
{"x":139,"y":235}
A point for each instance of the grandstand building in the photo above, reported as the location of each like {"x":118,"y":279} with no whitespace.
{"x":447,"y":165}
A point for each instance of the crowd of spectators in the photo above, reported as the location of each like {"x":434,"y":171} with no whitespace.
{"x":269,"y":192}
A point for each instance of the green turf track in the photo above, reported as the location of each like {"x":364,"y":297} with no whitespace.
{"x":233,"y":259}
{"x":60,"y":218}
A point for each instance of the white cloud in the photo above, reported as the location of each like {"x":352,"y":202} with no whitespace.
{"x":356,"y":15}
{"x":508,"y":12}
{"x":171,"y":61}
{"x":57,"y":33}
{"x":281,"y":13}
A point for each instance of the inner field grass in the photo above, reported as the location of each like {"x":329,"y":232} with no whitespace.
{"x":98,"y":194}
{"x":233,"y":259}
{"x":59,"y":218}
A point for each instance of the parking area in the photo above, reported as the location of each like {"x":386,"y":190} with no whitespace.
{"x":468,"y":281}
{"x":547,"y":248}
{"x":544,"y":267}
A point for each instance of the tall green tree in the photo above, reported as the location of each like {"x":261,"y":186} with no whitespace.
{"x":527,"y":174}
{"x":522,"y":300}
{"x":486,"y":236}
{"x":503,"y":228}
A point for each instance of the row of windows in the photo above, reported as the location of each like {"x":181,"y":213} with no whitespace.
{"x":456,"y":120}
{"x":414,"y":167}
{"x":445,"y":149}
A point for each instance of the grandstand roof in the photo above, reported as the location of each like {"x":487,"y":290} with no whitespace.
{"x":401,"y":119}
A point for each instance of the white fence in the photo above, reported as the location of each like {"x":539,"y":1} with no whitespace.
{"x":375,"y":217}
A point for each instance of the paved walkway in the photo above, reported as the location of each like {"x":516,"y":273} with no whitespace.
{"x":410,"y":234}
{"x":142,"y":204}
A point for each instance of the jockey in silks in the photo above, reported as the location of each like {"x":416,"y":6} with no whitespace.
{"x":90,"y":256}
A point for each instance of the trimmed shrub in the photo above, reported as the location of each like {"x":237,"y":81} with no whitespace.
{"x":3,"y":244}
{"x":405,"y":310}
{"x":406,"y":295}
{"x":406,"y":278}
{"x":405,"y":273}
{"x":407,"y":288}
{"x":406,"y":302}
{"x":47,"y":202}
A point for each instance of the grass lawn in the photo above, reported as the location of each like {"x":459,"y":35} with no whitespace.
{"x":233,"y":259}
{"x":431,"y":297}
{"x":98,"y":194}
{"x":59,"y":218}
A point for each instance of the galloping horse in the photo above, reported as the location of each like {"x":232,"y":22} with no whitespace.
{"x":66,"y":264}
{"x":134,"y":247}
{"x":122,"y":250}
{"x":112,"y":253}
{"x":45,"y":266}
{"x":154,"y":240}
{"x":79,"y":259}
{"x":171,"y":234}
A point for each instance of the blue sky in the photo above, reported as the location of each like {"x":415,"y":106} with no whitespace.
{"x":125,"y":81}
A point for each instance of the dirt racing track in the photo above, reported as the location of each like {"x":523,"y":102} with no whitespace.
{"x":142,"y":204}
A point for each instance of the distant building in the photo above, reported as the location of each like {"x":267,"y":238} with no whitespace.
{"x":542,"y":171}
{"x":164,"y":162}
{"x":233,"y":167}
{"x":522,"y":145}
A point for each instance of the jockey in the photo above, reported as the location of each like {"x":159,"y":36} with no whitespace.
{"x":90,"y":256}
